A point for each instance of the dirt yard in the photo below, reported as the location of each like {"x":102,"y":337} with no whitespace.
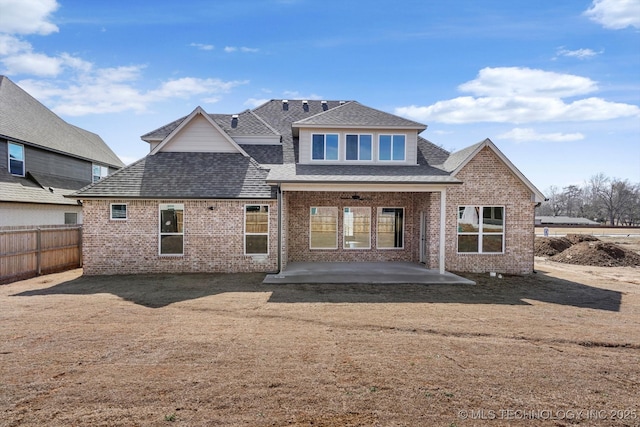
{"x":561,"y":346}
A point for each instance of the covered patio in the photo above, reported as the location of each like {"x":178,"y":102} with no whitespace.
{"x":363,"y":272}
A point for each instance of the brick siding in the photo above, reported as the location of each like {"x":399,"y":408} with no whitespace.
{"x":489,"y":182}
{"x":213,"y":239}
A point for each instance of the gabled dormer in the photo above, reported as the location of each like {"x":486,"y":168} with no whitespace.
{"x":197,"y":133}
{"x":355,"y":134}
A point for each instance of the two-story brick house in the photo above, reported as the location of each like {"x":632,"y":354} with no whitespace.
{"x":314,"y":181}
{"x":44,"y":158}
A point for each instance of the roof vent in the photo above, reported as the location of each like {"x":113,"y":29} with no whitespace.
{"x":234,"y":121}
{"x":342,"y":102}
{"x":285,"y":104}
{"x":324,"y":105}
{"x":305,"y":105}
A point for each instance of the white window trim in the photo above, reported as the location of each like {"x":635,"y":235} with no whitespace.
{"x":337,"y":219}
{"x":160,"y":233}
{"x":244,"y":226}
{"x":392,"y":135}
{"x":103,"y":168}
{"x":343,"y":229}
{"x":126,"y":211}
{"x":24,"y":158}
{"x":480,"y":233}
{"x":404,"y":220}
{"x":324,"y":147}
{"x":372,"y":159}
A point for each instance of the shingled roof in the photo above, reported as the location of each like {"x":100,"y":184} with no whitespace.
{"x":354,"y":114}
{"x":25,"y":119}
{"x":185,"y":176}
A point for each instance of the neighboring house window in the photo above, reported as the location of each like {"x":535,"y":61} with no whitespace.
{"x":390,"y":228}
{"x":358,"y":147}
{"x":357,"y":228}
{"x":70,"y":218}
{"x":118,"y":211}
{"x":391,"y":147}
{"x":324,"y":146}
{"x":16,"y":159}
{"x":172,"y":229}
{"x":480,"y":229}
{"x":256,"y":230}
{"x":99,"y":172}
{"x":323,"y":228}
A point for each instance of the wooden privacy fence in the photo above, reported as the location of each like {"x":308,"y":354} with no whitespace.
{"x":29,"y":252}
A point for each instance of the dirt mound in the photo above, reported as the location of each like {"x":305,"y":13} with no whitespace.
{"x":549,"y":246}
{"x":579,"y":238}
{"x":599,"y":254}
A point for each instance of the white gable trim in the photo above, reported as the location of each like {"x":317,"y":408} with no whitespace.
{"x":537,"y":195}
{"x":195,"y":113}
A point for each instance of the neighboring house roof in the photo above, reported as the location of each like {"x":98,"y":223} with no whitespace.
{"x":184,"y":176}
{"x":39,"y":190}
{"x":565,"y":220}
{"x":353,"y":114}
{"x":24,"y":119}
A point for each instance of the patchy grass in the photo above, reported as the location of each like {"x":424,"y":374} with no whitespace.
{"x":228,"y":350}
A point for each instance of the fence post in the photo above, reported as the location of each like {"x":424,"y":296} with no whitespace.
{"x":39,"y":251}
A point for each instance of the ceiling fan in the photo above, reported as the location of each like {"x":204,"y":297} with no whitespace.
{"x":354,"y":197}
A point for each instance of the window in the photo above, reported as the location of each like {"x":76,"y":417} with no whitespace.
{"x":324,"y":146}
{"x":99,"y":172}
{"x":480,"y":229}
{"x":171,"y":229}
{"x":70,"y":218}
{"x":118,"y":211}
{"x":323,"y":228}
{"x":357,"y":228}
{"x":390,"y":228}
{"x":358,"y":147}
{"x":16,"y":159}
{"x":256,"y":230}
{"x":391,"y":147}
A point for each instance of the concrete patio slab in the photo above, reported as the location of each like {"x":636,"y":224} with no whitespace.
{"x":362,"y":272}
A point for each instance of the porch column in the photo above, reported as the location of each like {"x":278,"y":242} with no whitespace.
{"x":443,"y":220}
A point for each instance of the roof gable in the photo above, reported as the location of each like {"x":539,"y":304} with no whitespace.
{"x":459,"y":159}
{"x":25,"y":119}
{"x":198,"y":132}
{"x":354,"y":114}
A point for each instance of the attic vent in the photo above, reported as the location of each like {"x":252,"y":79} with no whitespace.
{"x":305,"y":105}
{"x":234,"y":121}
{"x":324,"y":105}
{"x":342,"y":102}
{"x":285,"y":104}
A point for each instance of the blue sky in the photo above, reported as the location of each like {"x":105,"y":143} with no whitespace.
{"x":555,"y":84}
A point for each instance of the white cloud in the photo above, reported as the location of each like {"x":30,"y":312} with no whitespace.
{"x":517,"y":81}
{"x":36,"y":64}
{"x":615,"y":14}
{"x":202,"y":46}
{"x":10,"y":45}
{"x":94,"y":94}
{"x":528,"y":134}
{"x":255,"y":102}
{"x":521,"y":95}
{"x":230,"y":49}
{"x":27,"y":16}
{"x":578,"y":53}
{"x":294,"y":94}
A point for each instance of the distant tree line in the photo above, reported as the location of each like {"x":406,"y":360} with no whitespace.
{"x":610,"y":201}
